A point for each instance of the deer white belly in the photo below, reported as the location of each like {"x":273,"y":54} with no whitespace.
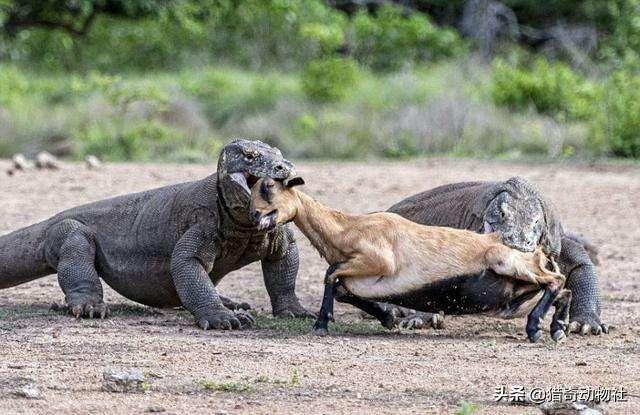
{"x":409,"y":279}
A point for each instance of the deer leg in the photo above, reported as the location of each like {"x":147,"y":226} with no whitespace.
{"x":320,"y":328}
{"x":535,"y":317}
{"x":377,"y":310}
{"x":560,"y":320}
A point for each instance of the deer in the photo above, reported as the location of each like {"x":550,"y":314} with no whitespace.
{"x":379,"y":255}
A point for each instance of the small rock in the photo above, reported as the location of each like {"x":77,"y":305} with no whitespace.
{"x":581,"y":363}
{"x":155,"y":408}
{"x":155,"y":375}
{"x":46,"y":160}
{"x":29,"y":391}
{"x":570,"y":408}
{"x":92,"y":162}
{"x":123,"y":380}
{"x":20,"y":162}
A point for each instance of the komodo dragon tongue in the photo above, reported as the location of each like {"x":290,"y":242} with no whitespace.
{"x":241,"y":179}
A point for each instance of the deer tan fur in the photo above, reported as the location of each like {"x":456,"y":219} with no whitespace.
{"x":384,"y":254}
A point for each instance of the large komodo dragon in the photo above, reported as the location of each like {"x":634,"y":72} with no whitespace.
{"x":517,"y":211}
{"x":165,"y":247}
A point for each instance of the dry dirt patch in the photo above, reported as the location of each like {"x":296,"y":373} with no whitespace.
{"x":279,"y":367}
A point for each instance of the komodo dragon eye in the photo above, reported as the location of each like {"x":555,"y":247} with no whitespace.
{"x":249,"y":156}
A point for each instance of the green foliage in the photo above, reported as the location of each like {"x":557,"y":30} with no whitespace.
{"x":551,"y":88}
{"x":327,"y":38}
{"x":305,"y":127}
{"x":74,"y":17}
{"x":389,"y":39}
{"x":12,"y":85}
{"x":228,"y":94}
{"x":231,"y":387}
{"x":144,"y":140}
{"x":182,"y":117}
{"x":254,"y":33}
{"x":616,"y":126}
{"x":299,"y":326}
{"x":261,"y":33}
{"x":467,"y":408}
{"x":623,"y":46}
{"x":330,"y":79}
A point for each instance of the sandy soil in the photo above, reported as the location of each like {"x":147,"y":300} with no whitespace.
{"x":279,"y":367}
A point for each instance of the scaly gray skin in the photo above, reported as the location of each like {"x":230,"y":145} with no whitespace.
{"x":517,"y":211}
{"x":165,"y":247}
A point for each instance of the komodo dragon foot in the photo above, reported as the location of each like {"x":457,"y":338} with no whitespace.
{"x":234,"y":305}
{"x":411,"y":319}
{"x":221,"y":318}
{"x":421,"y":320}
{"x":291,"y":309}
{"x":586,"y":323}
{"x":83,"y":307}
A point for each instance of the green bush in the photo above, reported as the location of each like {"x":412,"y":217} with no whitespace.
{"x":144,"y":140}
{"x":13,"y":85}
{"x":616,"y":127}
{"x":389,"y":39}
{"x":227,"y":94}
{"x":326,"y":38}
{"x":622,"y":47}
{"x":330,"y":79}
{"x":266,"y":33}
{"x":551,"y":88}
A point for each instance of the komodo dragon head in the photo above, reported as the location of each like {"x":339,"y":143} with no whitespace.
{"x":524,"y":220}
{"x":240,"y":165}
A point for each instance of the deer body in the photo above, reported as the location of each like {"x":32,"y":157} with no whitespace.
{"x":384,"y":254}
{"x":379,"y":255}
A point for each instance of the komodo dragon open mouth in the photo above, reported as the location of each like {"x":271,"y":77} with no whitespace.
{"x":245,"y":179}
{"x":268,"y":221}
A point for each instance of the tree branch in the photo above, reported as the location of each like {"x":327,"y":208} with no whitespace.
{"x":67,"y":27}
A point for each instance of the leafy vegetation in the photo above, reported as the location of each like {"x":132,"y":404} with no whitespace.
{"x":231,"y":387}
{"x":173,"y":79}
{"x":467,"y":408}
{"x":616,"y":126}
{"x":329,"y":79}
{"x":551,"y":88}
{"x":390,"y":39}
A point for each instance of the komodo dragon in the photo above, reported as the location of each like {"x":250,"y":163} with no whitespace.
{"x":165,"y":247}
{"x":517,"y":211}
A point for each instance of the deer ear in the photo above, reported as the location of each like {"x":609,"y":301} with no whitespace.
{"x":294,"y":181}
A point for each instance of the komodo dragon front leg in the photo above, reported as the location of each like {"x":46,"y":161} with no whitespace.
{"x":191,"y":262}
{"x":576,"y":264}
{"x":70,"y":248}
{"x":279,"y":270}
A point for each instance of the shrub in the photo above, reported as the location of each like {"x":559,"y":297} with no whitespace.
{"x":12,"y":85}
{"x":551,"y":88}
{"x":264,"y":33}
{"x":623,"y":45}
{"x":389,"y":39}
{"x":143,"y":141}
{"x":228,"y":94}
{"x":330,"y":79}
{"x":326,"y":38}
{"x":616,"y":128}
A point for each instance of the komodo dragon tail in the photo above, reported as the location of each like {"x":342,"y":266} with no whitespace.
{"x":22,"y":256}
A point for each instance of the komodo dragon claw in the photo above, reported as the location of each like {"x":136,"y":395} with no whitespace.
{"x":86,"y":309}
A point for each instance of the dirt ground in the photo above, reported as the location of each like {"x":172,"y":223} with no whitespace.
{"x":279,"y":367}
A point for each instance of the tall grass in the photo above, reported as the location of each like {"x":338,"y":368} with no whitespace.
{"x":186,"y":116}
